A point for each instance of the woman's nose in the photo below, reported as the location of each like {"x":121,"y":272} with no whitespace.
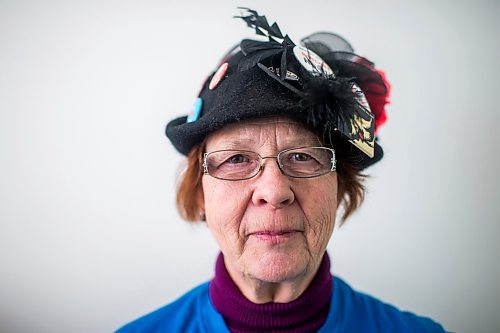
{"x":272,"y":187}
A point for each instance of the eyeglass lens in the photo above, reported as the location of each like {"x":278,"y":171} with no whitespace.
{"x":296,"y":162}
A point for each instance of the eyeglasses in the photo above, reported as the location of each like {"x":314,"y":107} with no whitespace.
{"x":302,"y":162}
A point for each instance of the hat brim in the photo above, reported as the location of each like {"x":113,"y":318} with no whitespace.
{"x":257,"y":96}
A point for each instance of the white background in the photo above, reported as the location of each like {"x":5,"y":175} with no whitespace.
{"x":89,"y":234}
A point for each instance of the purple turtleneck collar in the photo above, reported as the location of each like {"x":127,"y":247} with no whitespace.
{"x":305,"y":314}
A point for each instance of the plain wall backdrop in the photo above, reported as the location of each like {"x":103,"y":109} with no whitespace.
{"x":89,"y":234}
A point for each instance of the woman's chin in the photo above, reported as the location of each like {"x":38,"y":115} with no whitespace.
{"x":278,"y":266}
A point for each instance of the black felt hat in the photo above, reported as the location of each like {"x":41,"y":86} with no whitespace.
{"x":323,"y":84}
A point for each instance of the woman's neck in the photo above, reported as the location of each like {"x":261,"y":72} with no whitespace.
{"x":306,"y":313}
{"x":261,"y":292}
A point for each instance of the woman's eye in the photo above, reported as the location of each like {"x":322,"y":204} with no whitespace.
{"x":236,"y":159}
{"x":301,"y":157}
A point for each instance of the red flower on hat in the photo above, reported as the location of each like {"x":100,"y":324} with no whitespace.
{"x":378,"y":96}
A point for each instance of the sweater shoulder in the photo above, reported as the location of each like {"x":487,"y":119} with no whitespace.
{"x":185,"y":314}
{"x":362,"y":312}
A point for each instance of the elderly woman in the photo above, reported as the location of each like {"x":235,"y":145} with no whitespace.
{"x":275,"y":144}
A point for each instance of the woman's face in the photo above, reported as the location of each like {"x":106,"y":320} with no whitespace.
{"x":272,"y":228}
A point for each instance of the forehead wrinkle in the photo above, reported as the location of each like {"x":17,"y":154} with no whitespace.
{"x":257,"y":134}
{"x":230,"y":143}
{"x":243,"y":136}
{"x":230,"y":138}
{"x":295,"y":135}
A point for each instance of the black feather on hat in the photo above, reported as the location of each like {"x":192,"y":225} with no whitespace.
{"x":321,"y":83}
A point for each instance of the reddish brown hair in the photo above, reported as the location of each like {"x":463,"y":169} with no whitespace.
{"x":351,"y":190}
{"x":189,"y":186}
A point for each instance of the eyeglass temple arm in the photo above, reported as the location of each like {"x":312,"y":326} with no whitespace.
{"x":334,"y":161}
{"x":204,"y":165}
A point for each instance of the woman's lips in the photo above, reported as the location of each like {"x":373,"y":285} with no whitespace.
{"x":275,"y":236}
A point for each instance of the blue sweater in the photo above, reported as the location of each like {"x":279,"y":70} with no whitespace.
{"x":350,"y":311}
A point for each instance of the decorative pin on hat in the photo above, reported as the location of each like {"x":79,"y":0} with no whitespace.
{"x":195,"y":111}
{"x":218,"y":76}
{"x":311,"y":61}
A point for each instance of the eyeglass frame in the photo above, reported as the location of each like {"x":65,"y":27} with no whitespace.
{"x":262,"y":158}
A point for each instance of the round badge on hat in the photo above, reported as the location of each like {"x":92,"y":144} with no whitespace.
{"x":311,"y":61}
{"x":195,"y":112}
{"x":219,"y":74}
